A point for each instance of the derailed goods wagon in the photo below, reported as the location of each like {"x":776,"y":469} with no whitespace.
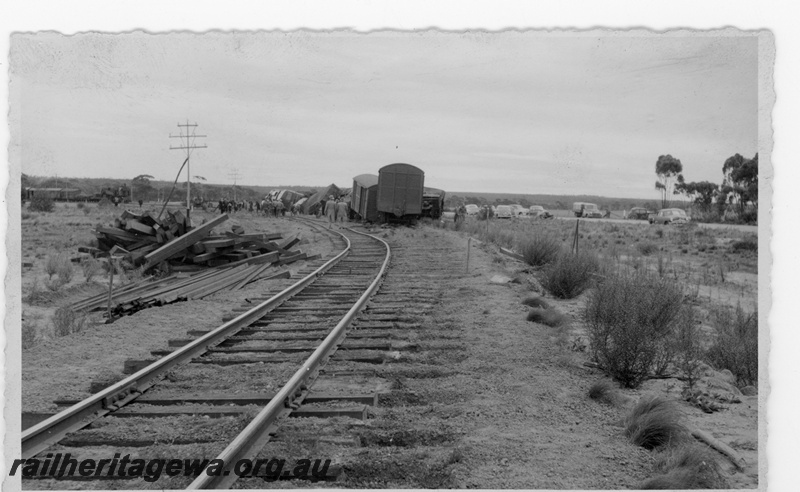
{"x":364,"y":198}
{"x":400,"y":189}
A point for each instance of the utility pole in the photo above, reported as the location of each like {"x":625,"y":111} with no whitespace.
{"x":234,"y":174}
{"x":188,"y":134}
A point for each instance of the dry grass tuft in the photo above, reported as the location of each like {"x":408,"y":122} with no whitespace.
{"x":605,"y":391}
{"x":539,"y":250}
{"x":687,"y":467}
{"x":536,"y":302}
{"x":655,"y":422}
{"x":549,"y":317}
{"x":647,"y":248}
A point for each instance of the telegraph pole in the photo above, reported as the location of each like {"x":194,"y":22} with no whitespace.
{"x":234,"y":174}
{"x":187,"y":133}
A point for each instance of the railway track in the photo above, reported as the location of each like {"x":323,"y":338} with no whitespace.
{"x":227,"y":394}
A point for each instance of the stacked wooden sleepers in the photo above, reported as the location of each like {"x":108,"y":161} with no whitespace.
{"x":147,"y":241}
{"x":209,"y":263}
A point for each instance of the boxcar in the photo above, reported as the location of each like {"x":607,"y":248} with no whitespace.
{"x":364,"y":198}
{"x":400,"y":189}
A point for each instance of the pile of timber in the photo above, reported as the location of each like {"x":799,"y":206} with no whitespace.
{"x":206,"y":263}
{"x":144,"y":240}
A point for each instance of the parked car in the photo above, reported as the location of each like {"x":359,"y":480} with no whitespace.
{"x":538,"y":211}
{"x":472,"y":209}
{"x":670,"y":216}
{"x":503,"y":212}
{"x":639,"y":213}
{"x":587,"y":210}
{"x":519,"y":210}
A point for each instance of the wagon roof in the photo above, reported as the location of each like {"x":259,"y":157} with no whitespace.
{"x":401,"y":167}
{"x":366,"y":180}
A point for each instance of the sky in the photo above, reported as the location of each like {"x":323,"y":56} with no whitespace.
{"x":511,"y":112}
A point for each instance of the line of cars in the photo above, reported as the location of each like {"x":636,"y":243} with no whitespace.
{"x":509,"y":211}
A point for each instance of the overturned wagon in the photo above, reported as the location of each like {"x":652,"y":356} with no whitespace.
{"x":364,"y":198}
{"x":400,"y":190}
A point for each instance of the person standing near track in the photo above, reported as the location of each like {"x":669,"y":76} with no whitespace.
{"x":330,"y":210}
{"x":341,"y":211}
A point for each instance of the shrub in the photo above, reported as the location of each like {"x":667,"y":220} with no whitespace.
{"x":104,"y":203}
{"x":536,"y":302}
{"x":80,"y":205}
{"x":748,"y":244}
{"x":41,"y":203}
{"x":91,"y":267}
{"x":51,"y":265}
{"x":654,"y":422}
{"x":687,"y":467}
{"x":67,"y":321}
{"x":87,"y":210}
{"x":569,"y":275}
{"x":549,"y":317}
{"x":65,"y":270}
{"x":735,"y":344}
{"x":631,"y":320}
{"x":539,"y":250}
{"x":647,"y":248}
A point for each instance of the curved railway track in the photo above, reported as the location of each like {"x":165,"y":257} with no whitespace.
{"x":224,"y":394}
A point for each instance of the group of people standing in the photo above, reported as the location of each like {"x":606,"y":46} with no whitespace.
{"x":335,"y":210}
{"x":226,"y":206}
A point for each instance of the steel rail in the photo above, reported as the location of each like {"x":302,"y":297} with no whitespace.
{"x":256,"y":434}
{"x":46,"y":433}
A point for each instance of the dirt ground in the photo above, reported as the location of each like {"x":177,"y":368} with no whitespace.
{"x":508,"y":407}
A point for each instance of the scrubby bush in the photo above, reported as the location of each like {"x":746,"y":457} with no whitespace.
{"x":735,"y":344}
{"x":104,"y":203}
{"x":747,"y":244}
{"x":65,"y":270}
{"x":654,"y":422}
{"x":539,"y":250}
{"x":632,"y":320}
{"x":570,"y":274}
{"x":51,"y":265}
{"x":647,"y":248}
{"x":67,"y":321}
{"x":549,"y":317}
{"x":41,"y":203}
{"x":91,"y":267}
